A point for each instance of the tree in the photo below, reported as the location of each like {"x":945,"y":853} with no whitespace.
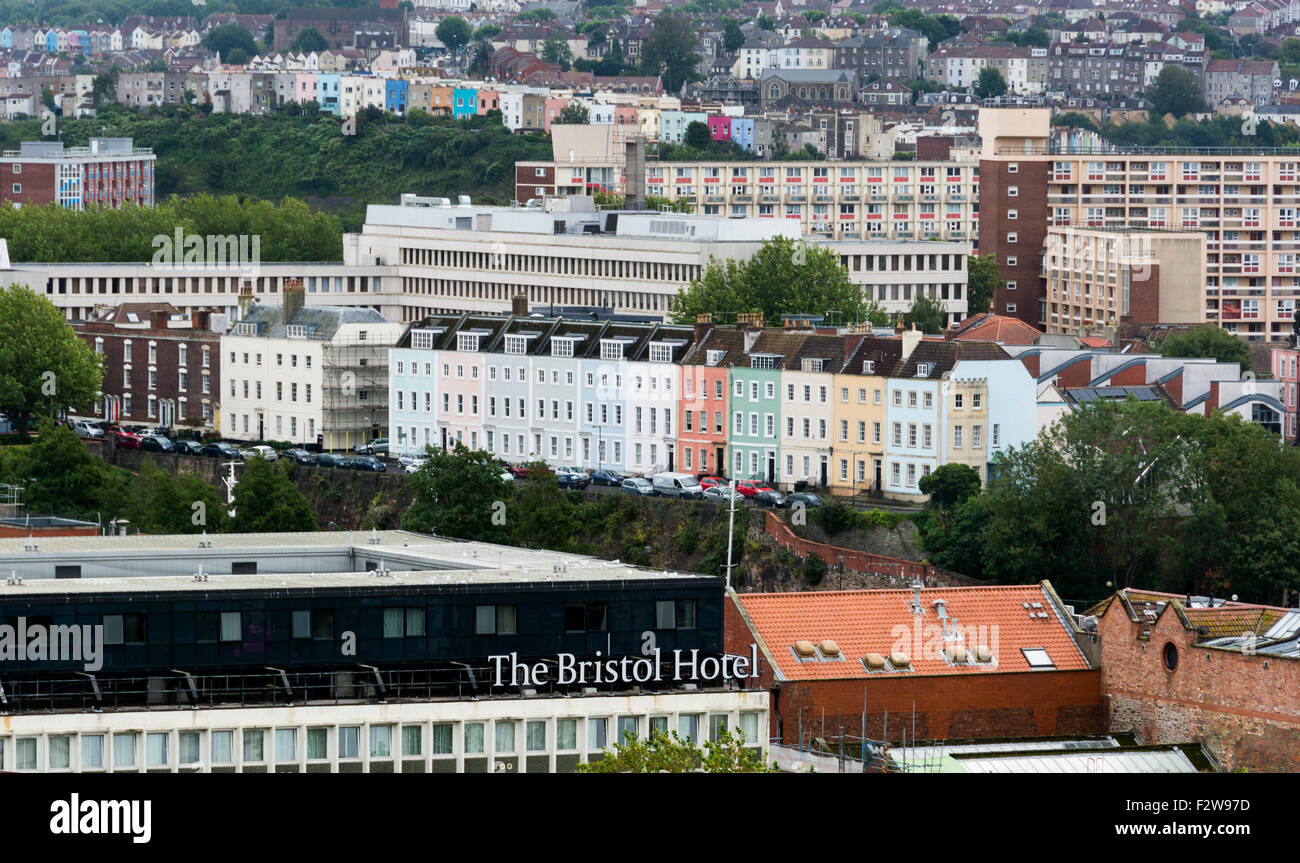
{"x":61,"y":476}
{"x":454,"y":32}
{"x":44,"y":366}
{"x":783,"y":277}
{"x":161,"y":503}
{"x":1074,"y":119}
{"x":481,"y":61}
{"x":266,"y":500}
{"x":1176,"y":92}
{"x":670,"y":51}
{"x":697,"y":135}
{"x":950,"y":485}
{"x":486,"y":32}
{"x":732,"y":36}
{"x":556,"y":50}
{"x":229,"y":37}
{"x":459,"y":493}
{"x":576,"y":113}
{"x":982,"y":282}
{"x":663,"y":753}
{"x":543,"y":515}
{"x":1208,"y":341}
{"x":104,"y":89}
{"x":309,"y":40}
{"x":991,"y":84}
{"x":927,"y":315}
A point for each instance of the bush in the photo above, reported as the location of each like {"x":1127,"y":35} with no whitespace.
{"x":833,"y":517}
{"x":688,"y":537}
{"x":814,"y":569}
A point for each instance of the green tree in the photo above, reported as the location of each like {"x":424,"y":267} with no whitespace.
{"x":784,"y":277}
{"x":61,"y":476}
{"x":833,"y":516}
{"x":44,"y":366}
{"x":556,"y":50}
{"x":763,"y":22}
{"x":543,"y":515}
{"x":927,"y":314}
{"x":227,"y":38}
{"x":309,"y":40}
{"x":1074,"y":119}
{"x":480,"y":62}
{"x":670,"y":51}
{"x":1208,"y":341}
{"x":267,"y":500}
{"x":459,"y":493}
{"x":104,"y":89}
{"x":662,"y":753}
{"x":1176,"y":91}
{"x":485,"y":32}
{"x":732,"y":36}
{"x":982,"y":282}
{"x":161,"y":503}
{"x":697,"y":135}
{"x":990,"y":84}
{"x":950,"y":485}
{"x":454,"y":32}
{"x":576,"y":113}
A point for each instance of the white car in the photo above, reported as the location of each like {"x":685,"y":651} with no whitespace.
{"x":85,"y":429}
{"x":262,"y":451}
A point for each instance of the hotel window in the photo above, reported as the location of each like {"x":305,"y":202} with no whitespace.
{"x":189,"y":747}
{"x":688,"y":727}
{"x":123,"y":751}
{"x":535,"y":735}
{"x":60,"y":752}
{"x":155,"y":745}
{"x":349,"y":741}
{"x":597,"y":733}
{"x":286,"y":744}
{"x":381,"y":741}
{"x":92,"y":751}
{"x":254,"y":740}
{"x":566,"y":735}
{"x":505,"y":736}
{"x":442,"y":740}
{"x":494,"y":619}
{"x":675,"y":614}
{"x":223,"y":747}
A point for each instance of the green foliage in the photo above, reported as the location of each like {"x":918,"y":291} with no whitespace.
{"x":543,"y":515}
{"x":1035,"y":36}
{"x":833,"y":516}
{"x":732,"y":36}
{"x":950,"y":485}
{"x":763,"y":22}
{"x":670,"y":51}
{"x":382,"y":514}
{"x":44,"y":366}
{"x":539,"y":15}
{"x":814,"y":570}
{"x":162,"y":503}
{"x":456,"y":493}
{"x":266,"y":500}
{"x":688,"y":537}
{"x":1217,"y":131}
{"x":1208,"y":341}
{"x":63,"y":477}
{"x":485,"y":32}
{"x":454,"y":32}
{"x":927,"y":314}
{"x":990,"y":83}
{"x":309,"y":40}
{"x":228,"y":38}
{"x":697,"y":135}
{"x":577,"y":113}
{"x":1074,"y":119}
{"x":982,"y":282}
{"x":555,"y":49}
{"x":662,"y":753}
{"x":936,"y":28}
{"x":1176,"y":91}
{"x":783,"y":277}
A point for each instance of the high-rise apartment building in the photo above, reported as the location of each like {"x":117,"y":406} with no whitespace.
{"x":108,"y":173}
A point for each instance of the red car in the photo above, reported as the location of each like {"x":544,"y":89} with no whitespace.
{"x":750,"y":487}
{"x":711,"y":481}
{"x":126,"y":439}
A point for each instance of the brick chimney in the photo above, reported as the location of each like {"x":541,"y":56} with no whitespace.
{"x":519,"y":305}
{"x":751,"y":324}
{"x":245,"y":299}
{"x":200,"y":320}
{"x":294,"y":297}
{"x":158,"y":319}
{"x":911,"y":338}
{"x":703,"y":323}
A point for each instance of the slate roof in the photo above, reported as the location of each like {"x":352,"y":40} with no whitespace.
{"x":322,"y":322}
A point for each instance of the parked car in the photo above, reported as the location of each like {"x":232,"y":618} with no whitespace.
{"x":127,"y":439}
{"x":301,"y":456}
{"x":156,"y":443}
{"x":189,"y":447}
{"x":638,"y":485}
{"x":329,"y":459}
{"x":708,"y":482}
{"x":676,"y":485}
{"x":571,"y":479}
{"x":263,"y":451}
{"x":719,"y":493}
{"x":220,"y":450}
{"x":378,"y":446}
{"x":750,"y":487}
{"x":606,"y":477}
{"x":368,"y":462}
{"x":87,"y":429}
{"x":768,"y":498}
{"x":809,"y":501}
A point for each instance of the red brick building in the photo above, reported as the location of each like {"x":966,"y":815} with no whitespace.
{"x":108,"y":173}
{"x":1221,"y":673}
{"x":160,"y":367}
{"x":928,"y":663}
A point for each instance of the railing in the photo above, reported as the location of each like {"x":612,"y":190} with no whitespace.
{"x":1104,"y":149}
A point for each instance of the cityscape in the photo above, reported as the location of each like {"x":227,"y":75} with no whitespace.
{"x":907,"y":386}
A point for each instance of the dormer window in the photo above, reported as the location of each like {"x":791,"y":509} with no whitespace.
{"x":868,"y":367}
{"x":564,"y":348}
{"x":422,"y":340}
{"x":610,"y":349}
{"x":923,"y":370}
{"x":467,"y":342}
{"x":762,"y":361}
{"x":516,"y":344}
{"x":661,"y":353}
{"x":293,"y":331}
{"x":714,"y":357}
{"x":813,"y":365}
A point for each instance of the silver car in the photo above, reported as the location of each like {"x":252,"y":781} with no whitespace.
{"x":638,"y":485}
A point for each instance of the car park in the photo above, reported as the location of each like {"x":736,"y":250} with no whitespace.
{"x":156,"y":443}
{"x":368,"y":462}
{"x":719,"y":493}
{"x":638,"y":485}
{"x":301,"y":456}
{"x":606,"y":477}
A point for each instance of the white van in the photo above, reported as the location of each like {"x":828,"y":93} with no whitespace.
{"x":676,"y":485}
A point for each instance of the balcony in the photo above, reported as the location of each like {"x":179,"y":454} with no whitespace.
{"x":770,"y":199}
{"x":715,"y":199}
{"x":905,"y":197}
{"x":796,"y":199}
{"x":963,"y":197}
{"x":742,"y":199}
{"x":824,"y":199}
{"x":850,"y":198}
{"x":878,"y":198}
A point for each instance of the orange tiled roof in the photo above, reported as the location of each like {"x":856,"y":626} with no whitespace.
{"x":881,"y":621}
{"x":998,"y":328}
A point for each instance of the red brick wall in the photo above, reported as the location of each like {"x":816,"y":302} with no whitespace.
{"x":1030,"y":227}
{"x":1247,"y":714}
{"x":1077,"y":374}
{"x":36,"y":180}
{"x":527,"y":182}
{"x":967,"y":705}
{"x":1133,"y":376}
{"x":1144,"y":296}
{"x":859,"y":561}
{"x":1175,"y":387}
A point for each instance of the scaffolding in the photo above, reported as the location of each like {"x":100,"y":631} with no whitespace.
{"x":11,"y":500}
{"x":354,"y":401}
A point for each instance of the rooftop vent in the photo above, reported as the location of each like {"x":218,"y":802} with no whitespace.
{"x":955,"y":652}
{"x":829,"y":649}
{"x":874,"y":662}
{"x":898,"y":659}
{"x":983,"y":654}
{"x":804,"y":650}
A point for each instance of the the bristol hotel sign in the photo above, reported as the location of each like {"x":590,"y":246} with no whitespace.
{"x":680,"y":666}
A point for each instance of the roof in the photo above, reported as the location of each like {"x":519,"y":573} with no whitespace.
{"x":865,"y":621}
{"x":989,"y":327}
{"x":1095,"y":342}
{"x":321,"y":321}
{"x":1227,"y":624}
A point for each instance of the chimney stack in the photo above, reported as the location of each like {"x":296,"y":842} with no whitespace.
{"x":703,"y":323}
{"x":519,"y":305}
{"x":245,"y":299}
{"x":751,"y":324}
{"x":911,"y":338}
{"x":294,"y":298}
{"x":200,"y":320}
{"x":158,"y":319}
